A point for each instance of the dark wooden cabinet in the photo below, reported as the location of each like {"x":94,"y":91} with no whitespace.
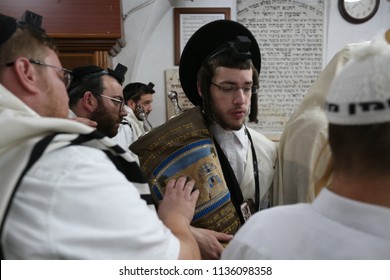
{"x":86,"y":32}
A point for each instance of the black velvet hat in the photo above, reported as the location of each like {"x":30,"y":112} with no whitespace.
{"x":118,"y":73}
{"x":209,"y":40}
{"x":8,"y":24}
{"x":133,"y":89}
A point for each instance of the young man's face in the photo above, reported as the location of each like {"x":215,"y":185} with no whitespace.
{"x":110,"y":112}
{"x":145,"y":101}
{"x":229,"y":109}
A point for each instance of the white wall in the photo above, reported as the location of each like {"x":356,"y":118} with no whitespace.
{"x":340,"y":32}
{"x":149,"y":37}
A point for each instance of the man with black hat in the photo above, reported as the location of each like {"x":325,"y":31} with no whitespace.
{"x":219,"y":70}
{"x":138,"y":99}
{"x":349,"y":219}
{"x":96,"y":94}
{"x":219,"y":73}
{"x":67,"y":191}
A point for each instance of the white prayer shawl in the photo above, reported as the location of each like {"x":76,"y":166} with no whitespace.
{"x":22,"y":128}
{"x":136,"y":125}
{"x":304,"y":137}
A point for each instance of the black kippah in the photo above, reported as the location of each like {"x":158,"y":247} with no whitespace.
{"x":33,"y":20}
{"x":118,"y":73}
{"x":87,"y":71}
{"x":84,"y":73}
{"x":8,"y":26}
{"x":150,"y":86}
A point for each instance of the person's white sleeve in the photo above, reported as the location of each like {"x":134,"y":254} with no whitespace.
{"x":74,"y":204}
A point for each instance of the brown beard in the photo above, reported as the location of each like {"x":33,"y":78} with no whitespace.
{"x":106,"y":122}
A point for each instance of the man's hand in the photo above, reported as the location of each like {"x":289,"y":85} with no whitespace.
{"x":176,"y":210}
{"x":209,"y":242}
{"x":179,"y":199}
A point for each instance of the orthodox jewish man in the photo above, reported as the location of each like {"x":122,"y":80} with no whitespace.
{"x":232,"y":164}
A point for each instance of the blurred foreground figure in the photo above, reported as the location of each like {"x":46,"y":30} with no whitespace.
{"x":350,"y":217}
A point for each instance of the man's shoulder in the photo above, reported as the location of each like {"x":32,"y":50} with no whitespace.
{"x":258,"y":137}
{"x":73,"y":156}
{"x":286,"y":218}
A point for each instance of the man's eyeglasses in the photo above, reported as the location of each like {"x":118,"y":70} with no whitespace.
{"x":66,"y":76}
{"x":118,"y":102}
{"x":230,"y":89}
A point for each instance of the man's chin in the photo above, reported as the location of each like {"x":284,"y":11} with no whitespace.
{"x":232,"y":126}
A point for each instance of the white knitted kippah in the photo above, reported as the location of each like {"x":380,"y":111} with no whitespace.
{"x":360,"y":93}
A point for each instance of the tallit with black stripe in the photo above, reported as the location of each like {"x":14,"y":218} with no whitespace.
{"x":26,"y":136}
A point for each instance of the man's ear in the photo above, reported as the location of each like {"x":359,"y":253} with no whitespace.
{"x":131,"y":104}
{"x":89,"y":102}
{"x":199,"y":89}
{"x":27,"y":75}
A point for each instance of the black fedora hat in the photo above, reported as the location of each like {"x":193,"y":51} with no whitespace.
{"x":204,"y":42}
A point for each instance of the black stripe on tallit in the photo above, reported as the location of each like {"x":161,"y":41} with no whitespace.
{"x":148,"y":198}
{"x":130,"y":169}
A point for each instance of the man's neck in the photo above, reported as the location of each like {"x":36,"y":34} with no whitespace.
{"x":368,"y":189}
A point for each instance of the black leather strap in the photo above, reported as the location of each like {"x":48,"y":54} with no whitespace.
{"x":231,"y":181}
{"x":255,"y":173}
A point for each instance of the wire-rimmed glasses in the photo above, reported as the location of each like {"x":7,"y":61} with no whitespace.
{"x":66,"y":76}
{"x":118,"y":102}
{"x":230,"y":89}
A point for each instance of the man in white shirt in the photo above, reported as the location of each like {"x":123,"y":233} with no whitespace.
{"x":349,"y":219}
{"x":136,"y":96}
{"x":68,"y":192}
{"x":219,"y":72}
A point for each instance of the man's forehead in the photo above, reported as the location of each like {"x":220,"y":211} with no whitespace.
{"x":112,"y":84}
{"x":146,"y":97}
{"x":52,"y":58}
{"x":225,"y":72}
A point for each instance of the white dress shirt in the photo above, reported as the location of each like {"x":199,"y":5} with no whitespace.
{"x":235,"y":146}
{"x":332,"y":227}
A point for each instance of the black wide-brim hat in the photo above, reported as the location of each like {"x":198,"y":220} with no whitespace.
{"x":204,"y":42}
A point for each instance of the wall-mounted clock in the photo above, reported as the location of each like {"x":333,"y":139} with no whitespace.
{"x":358,"y":11}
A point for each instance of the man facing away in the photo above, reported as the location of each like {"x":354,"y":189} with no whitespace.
{"x":349,"y":219}
{"x":68,"y":192}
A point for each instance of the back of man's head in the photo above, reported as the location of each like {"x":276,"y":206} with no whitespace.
{"x":23,"y":38}
{"x":358,"y":110}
